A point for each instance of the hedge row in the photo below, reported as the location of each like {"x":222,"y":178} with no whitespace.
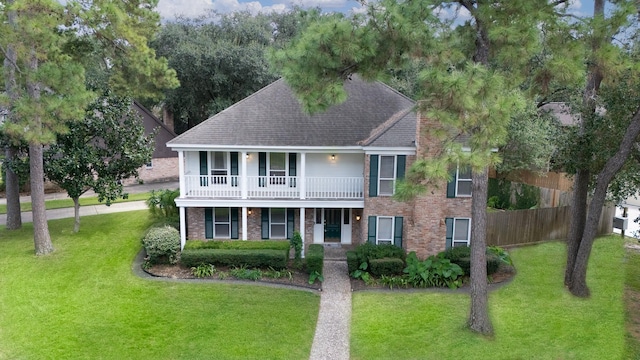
{"x":461,"y":255}
{"x":233,"y":257}
{"x":386,"y":266}
{"x":238,"y":244}
{"x":315,"y":258}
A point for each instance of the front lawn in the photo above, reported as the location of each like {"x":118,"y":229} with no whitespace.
{"x":83,"y":302}
{"x":84,"y":201}
{"x":534,"y":316}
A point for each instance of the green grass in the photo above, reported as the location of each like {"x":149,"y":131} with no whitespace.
{"x":83,"y":302}
{"x":534,"y":317}
{"x":632,"y":292}
{"x":67,"y":203}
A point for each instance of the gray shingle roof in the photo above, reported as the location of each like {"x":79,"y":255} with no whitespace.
{"x":274,"y":117}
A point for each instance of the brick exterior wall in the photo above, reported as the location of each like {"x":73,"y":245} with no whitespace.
{"x":163,"y":169}
{"x":196,"y":231}
{"x":424,"y":229}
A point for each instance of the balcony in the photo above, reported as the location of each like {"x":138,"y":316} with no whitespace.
{"x":273,"y":187}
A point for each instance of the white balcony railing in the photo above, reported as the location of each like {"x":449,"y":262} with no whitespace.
{"x":274,"y":187}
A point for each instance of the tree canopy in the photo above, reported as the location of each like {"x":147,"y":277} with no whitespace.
{"x":45,"y":45}
{"x":109,"y":145}
{"x":221,"y":58}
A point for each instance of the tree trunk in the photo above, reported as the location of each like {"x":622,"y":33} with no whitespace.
{"x":578,"y":284}
{"x":12,"y":184}
{"x":76,"y":211}
{"x":479,"y":320}
{"x":581,"y":181}
{"x":12,"y":189}
{"x":41,"y":238}
{"x":577,"y":221}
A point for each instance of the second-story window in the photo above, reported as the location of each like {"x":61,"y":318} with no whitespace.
{"x":277,"y":168}
{"x":219,"y":168}
{"x":387,"y":175}
{"x":463,"y":181}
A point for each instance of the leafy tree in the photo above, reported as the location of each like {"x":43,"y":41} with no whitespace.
{"x":49,"y":43}
{"x":97,"y":153}
{"x":594,"y":161}
{"x":220,"y":59}
{"x":470,"y":84}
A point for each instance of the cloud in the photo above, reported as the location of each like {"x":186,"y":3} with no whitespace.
{"x":170,"y":9}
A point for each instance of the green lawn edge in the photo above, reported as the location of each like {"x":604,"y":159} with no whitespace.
{"x":84,"y":302}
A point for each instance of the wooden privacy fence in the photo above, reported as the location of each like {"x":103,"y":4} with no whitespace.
{"x":519,"y":227}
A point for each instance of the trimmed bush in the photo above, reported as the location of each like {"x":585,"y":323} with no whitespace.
{"x":239,"y":244}
{"x":367,"y":252}
{"x":461,"y":255}
{"x":162,"y":244}
{"x":352,"y":261}
{"x":386,"y":266}
{"x":276,"y":259}
{"x":315,"y":258}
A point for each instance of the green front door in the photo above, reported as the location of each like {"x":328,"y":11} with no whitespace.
{"x":332,"y":225}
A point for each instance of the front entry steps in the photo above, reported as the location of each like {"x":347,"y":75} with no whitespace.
{"x":336,"y":252}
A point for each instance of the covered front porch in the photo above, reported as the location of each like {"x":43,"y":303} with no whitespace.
{"x":316,"y":225}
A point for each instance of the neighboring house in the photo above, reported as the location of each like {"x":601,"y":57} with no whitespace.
{"x":262,"y":169}
{"x":164,"y":164}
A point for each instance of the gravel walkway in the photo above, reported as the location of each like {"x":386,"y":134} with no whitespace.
{"x":331,"y":340}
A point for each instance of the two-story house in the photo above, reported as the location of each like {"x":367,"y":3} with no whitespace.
{"x":263,"y":168}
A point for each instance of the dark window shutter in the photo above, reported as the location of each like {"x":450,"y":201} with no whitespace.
{"x":234,"y":169}
{"x":451,"y":185}
{"x":234,"y":223}
{"x":208,"y":223}
{"x":292,"y":169}
{"x":371,"y":238}
{"x":449,"y":236}
{"x":265,"y":222}
{"x":373,"y":176}
{"x":204,"y":168}
{"x":401,"y":166}
{"x":397,"y":236}
{"x":291,"y":222}
{"x":262,"y":168}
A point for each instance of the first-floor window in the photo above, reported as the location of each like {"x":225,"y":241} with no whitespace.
{"x":278,"y":224}
{"x":461,"y":232}
{"x":384,"y":234}
{"x":222,"y":223}
{"x":149,"y":165}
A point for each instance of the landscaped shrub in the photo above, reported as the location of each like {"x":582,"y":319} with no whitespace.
{"x":369,"y":251}
{"x":386,"y":266}
{"x":234,"y":257}
{"x":315,"y":258}
{"x":239,"y":244}
{"x":434,"y":271}
{"x":162,"y":244}
{"x":352,"y":261}
{"x":461,"y":255}
{"x":296,"y":244}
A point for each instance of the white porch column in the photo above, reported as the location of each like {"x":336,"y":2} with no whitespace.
{"x":243,"y":185}
{"x":303,"y":230}
{"x":183,"y":185}
{"x":303,"y":183}
{"x":183,"y":226}
{"x":244,"y":223}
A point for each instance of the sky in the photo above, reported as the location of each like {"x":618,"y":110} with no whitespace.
{"x":169,"y":9}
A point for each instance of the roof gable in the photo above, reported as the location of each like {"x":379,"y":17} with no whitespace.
{"x":274,"y":117}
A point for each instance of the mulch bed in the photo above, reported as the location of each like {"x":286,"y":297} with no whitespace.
{"x":301,"y":278}
{"x":298,"y":278}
